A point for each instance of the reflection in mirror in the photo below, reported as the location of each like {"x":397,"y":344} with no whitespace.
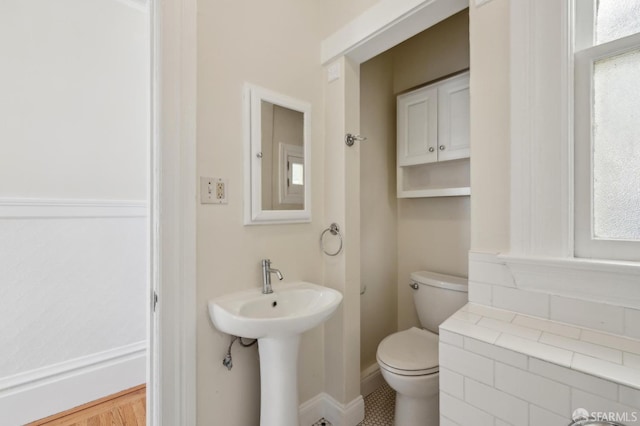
{"x":277,"y":164}
{"x":282,"y":158}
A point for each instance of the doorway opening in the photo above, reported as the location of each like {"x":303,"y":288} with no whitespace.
{"x":411,"y":231}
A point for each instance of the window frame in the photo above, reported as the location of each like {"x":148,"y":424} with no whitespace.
{"x":541,"y":197}
{"x":586,"y":245}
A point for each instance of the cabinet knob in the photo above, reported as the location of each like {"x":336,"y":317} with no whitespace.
{"x":431,"y":149}
{"x":441,"y":147}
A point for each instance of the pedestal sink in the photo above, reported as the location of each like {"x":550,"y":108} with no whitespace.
{"x":277,"y":320}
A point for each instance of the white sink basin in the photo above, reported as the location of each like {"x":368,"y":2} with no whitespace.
{"x":276,"y":320}
{"x":291,"y":309}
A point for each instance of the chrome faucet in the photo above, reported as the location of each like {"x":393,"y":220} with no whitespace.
{"x":266,"y":276}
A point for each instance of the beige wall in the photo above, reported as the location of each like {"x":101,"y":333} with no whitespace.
{"x":400,"y":236}
{"x":335,"y":14}
{"x":490,"y":167}
{"x":280,"y":53}
{"x":434,"y":53}
{"x":378,"y":223}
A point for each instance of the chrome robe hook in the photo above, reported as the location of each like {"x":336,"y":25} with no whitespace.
{"x":350,"y":139}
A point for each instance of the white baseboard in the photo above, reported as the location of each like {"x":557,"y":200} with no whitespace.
{"x":312,"y":410}
{"x":372,"y":379}
{"x":40,"y":393}
{"x":324,"y":405}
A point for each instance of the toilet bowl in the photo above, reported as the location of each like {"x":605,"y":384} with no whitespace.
{"x":408,"y":362}
{"x":408,"y":359}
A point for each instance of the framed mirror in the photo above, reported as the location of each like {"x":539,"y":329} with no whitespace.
{"x":277,"y":158}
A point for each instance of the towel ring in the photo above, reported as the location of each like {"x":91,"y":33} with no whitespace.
{"x":334,"y":229}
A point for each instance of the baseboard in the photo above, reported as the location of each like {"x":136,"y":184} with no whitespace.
{"x":324,"y":405}
{"x":46,"y":391}
{"x":312,"y":410}
{"x":372,"y":379}
{"x":344,"y":414}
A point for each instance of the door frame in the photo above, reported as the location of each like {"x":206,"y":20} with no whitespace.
{"x":172,"y":327}
{"x":173,"y":183}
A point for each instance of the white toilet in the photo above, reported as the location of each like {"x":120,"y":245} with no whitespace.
{"x":408,"y":359}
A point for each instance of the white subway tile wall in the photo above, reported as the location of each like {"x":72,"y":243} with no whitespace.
{"x":632,"y":323}
{"x":521,"y":301}
{"x":467,"y":363}
{"x":599,"y":316}
{"x":495,"y":352}
{"x":536,"y":373}
{"x":542,"y":417}
{"x":492,"y":284}
{"x":522,"y":356}
{"x":460,"y":412}
{"x":480,"y":293}
{"x":452,"y":383}
{"x":496,"y":402}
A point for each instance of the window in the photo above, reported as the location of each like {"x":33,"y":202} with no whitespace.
{"x":607,"y":129}
{"x":291,"y":174}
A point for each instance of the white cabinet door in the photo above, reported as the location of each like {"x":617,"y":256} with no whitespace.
{"x":418,"y":127}
{"x":453,"y":118}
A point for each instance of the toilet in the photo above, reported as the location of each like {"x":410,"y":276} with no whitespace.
{"x":408,"y":359}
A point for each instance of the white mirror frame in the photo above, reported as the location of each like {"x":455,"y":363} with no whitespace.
{"x":253,"y":213}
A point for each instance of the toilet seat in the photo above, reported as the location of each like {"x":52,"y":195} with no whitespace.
{"x":413,"y":352}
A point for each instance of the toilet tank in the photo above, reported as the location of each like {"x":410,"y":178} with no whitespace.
{"x":437,"y":297}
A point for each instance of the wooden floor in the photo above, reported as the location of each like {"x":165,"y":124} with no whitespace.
{"x":126,"y":408}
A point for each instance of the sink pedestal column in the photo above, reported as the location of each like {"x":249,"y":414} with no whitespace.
{"x":279,"y":380}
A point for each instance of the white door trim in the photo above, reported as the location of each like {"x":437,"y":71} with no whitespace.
{"x":172,"y":378}
{"x":384,"y":25}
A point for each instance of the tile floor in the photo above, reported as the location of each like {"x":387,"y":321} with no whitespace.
{"x":378,"y":408}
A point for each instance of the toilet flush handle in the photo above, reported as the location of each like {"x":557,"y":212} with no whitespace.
{"x":414,"y":286}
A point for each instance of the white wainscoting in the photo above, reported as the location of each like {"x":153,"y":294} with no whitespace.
{"x":40,"y":393}
{"x":73,"y":297}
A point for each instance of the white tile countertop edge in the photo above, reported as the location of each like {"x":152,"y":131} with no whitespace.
{"x":597,"y":353}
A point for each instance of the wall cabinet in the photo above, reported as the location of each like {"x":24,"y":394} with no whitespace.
{"x":433,"y":127}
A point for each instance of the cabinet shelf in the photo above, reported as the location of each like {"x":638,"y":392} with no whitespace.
{"x":441,"y":192}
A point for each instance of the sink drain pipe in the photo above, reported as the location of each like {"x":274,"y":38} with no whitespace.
{"x":228,"y":361}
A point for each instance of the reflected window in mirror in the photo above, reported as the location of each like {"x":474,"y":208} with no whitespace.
{"x":291,"y":176}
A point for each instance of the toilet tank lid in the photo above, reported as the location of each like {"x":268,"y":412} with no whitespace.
{"x":434,"y":279}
